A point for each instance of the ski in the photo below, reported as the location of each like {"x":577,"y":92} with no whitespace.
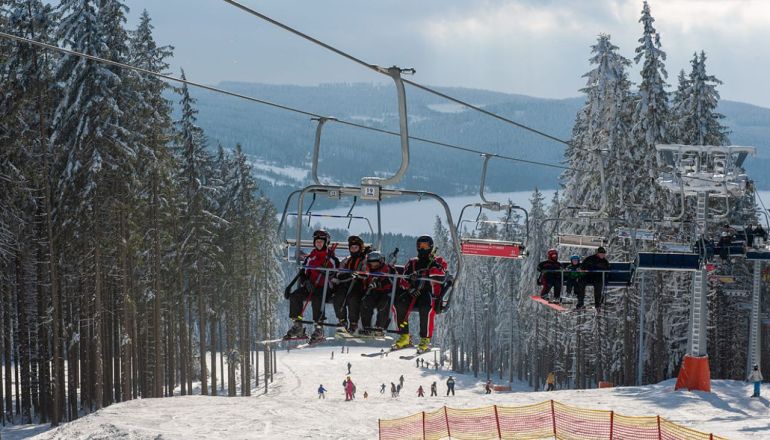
{"x":314,"y":343}
{"x":547,"y":303}
{"x":276,"y":341}
{"x":418,"y":354}
{"x":391,"y":350}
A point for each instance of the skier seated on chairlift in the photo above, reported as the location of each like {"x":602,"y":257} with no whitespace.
{"x":311,"y":286}
{"x":550,"y":275}
{"x":573,"y":277}
{"x":597,"y":267}
{"x":422,"y":291}
{"x":756,"y":236}
{"x":726,"y":237}
{"x":377,"y":295}
{"x":348,"y":287}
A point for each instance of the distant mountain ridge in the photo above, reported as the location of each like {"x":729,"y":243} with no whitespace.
{"x":281,"y":142}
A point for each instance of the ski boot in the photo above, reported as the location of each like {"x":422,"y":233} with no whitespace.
{"x":424,"y":345}
{"x":318,"y":335}
{"x":342,"y":329}
{"x":377,"y":333}
{"x":296,"y":331}
{"x":402,"y":342}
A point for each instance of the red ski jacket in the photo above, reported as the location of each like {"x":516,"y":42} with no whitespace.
{"x":321,"y":258}
{"x":381,"y":284}
{"x":435,"y":268}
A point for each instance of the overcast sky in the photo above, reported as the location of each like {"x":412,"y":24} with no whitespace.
{"x":532,"y":47}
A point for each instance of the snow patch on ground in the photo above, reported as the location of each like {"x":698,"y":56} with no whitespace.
{"x":291,"y":409}
{"x":293,"y":173}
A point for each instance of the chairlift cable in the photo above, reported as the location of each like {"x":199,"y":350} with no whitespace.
{"x":430,"y":90}
{"x":269,"y":103}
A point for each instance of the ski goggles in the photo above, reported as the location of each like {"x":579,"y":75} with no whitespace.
{"x":374,"y":264}
{"x":423,"y":245}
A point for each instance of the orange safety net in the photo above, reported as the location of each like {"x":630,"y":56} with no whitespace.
{"x":694,"y":374}
{"x":545,"y":420}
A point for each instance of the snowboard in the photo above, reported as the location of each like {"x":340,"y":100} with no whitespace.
{"x":557,"y":307}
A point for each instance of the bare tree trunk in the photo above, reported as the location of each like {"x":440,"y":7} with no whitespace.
{"x":213,"y":350}
{"x":202,"y":337}
{"x":156,"y":321}
{"x":98,"y":365}
{"x":126,"y":341}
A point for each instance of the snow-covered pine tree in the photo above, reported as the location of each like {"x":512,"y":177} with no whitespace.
{"x":199,"y":217}
{"x":651,"y":113}
{"x":697,"y":119}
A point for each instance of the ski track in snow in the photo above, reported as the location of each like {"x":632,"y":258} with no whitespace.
{"x":291,"y":408}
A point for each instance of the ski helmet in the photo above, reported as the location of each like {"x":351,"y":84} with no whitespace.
{"x":375,"y":256}
{"x":552,"y":254}
{"x":424,"y":245}
{"x":574,"y":257}
{"x":356,"y":240}
{"x":601,"y":250}
{"x":322,"y":235}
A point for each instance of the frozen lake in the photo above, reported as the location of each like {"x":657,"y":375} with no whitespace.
{"x":417,"y":217}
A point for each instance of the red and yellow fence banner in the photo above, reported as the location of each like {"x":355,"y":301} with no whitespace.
{"x":545,"y":420}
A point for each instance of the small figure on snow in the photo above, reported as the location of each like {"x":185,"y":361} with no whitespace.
{"x":311,"y":284}
{"x":488,"y":387}
{"x":393,"y":391}
{"x":417,"y":363}
{"x":422,"y":290}
{"x":597,"y":267}
{"x":398,"y":389}
{"x":551,"y":381}
{"x":420,"y":392}
{"x":349,"y":365}
{"x":550,"y":275}
{"x":756,"y":378}
{"x":433,"y":389}
{"x":321,"y":392}
{"x":382,"y":389}
{"x":366,"y":394}
{"x":332,"y":354}
{"x":450,"y":386}
{"x":348,"y":384}
{"x":401,"y":380}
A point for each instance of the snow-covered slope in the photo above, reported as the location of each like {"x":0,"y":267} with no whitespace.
{"x":291,"y":409}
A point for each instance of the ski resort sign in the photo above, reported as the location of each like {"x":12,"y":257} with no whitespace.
{"x":492,"y":248}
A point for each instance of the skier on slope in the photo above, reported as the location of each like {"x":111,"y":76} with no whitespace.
{"x":450,"y":386}
{"x":382,"y":389}
{"x":348,"y":384}
{"x":433,"y":389}
{"x":420,"y":293}
{"x":550,"y":275}
{"x":311,"y":286}
{"x":551,"y":381}
{"x":488,"y":387}
{"x":420,"y":392}
{"x":393,"y":392}
{"x":348,"y":286}
{"x":321,"y":392}
{"x":756,"y":378}
{"x":378,"y":289}
{"x":597,"y":266}
{"x":573,"y":277}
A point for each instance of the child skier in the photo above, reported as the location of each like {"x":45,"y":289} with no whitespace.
{"x":550,"y":275}
{"x":433,"y":389}
{"x":321,"y":392}
{"x":378,"y":287}
{"x":756,"y":377}
{"x":349,"y":290}
{"x":551,"y":381}
{"x":573,"y":277}
{"x":420,"y":392}
{"x":450,"y":386}
{"x":348,"y":384}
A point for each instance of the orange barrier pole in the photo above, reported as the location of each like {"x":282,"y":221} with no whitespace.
{"x":497,"y":421}
{"x":423,"y":425}
{"x":446,"y":417}
{"x":612,"y":420}
{"x":379,"y":427}
{"x":553,"y":418}
{"x":659,"y":433}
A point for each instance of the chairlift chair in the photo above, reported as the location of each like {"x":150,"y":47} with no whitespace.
{"x":491,"y":247}
{"x":373,"y":189}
